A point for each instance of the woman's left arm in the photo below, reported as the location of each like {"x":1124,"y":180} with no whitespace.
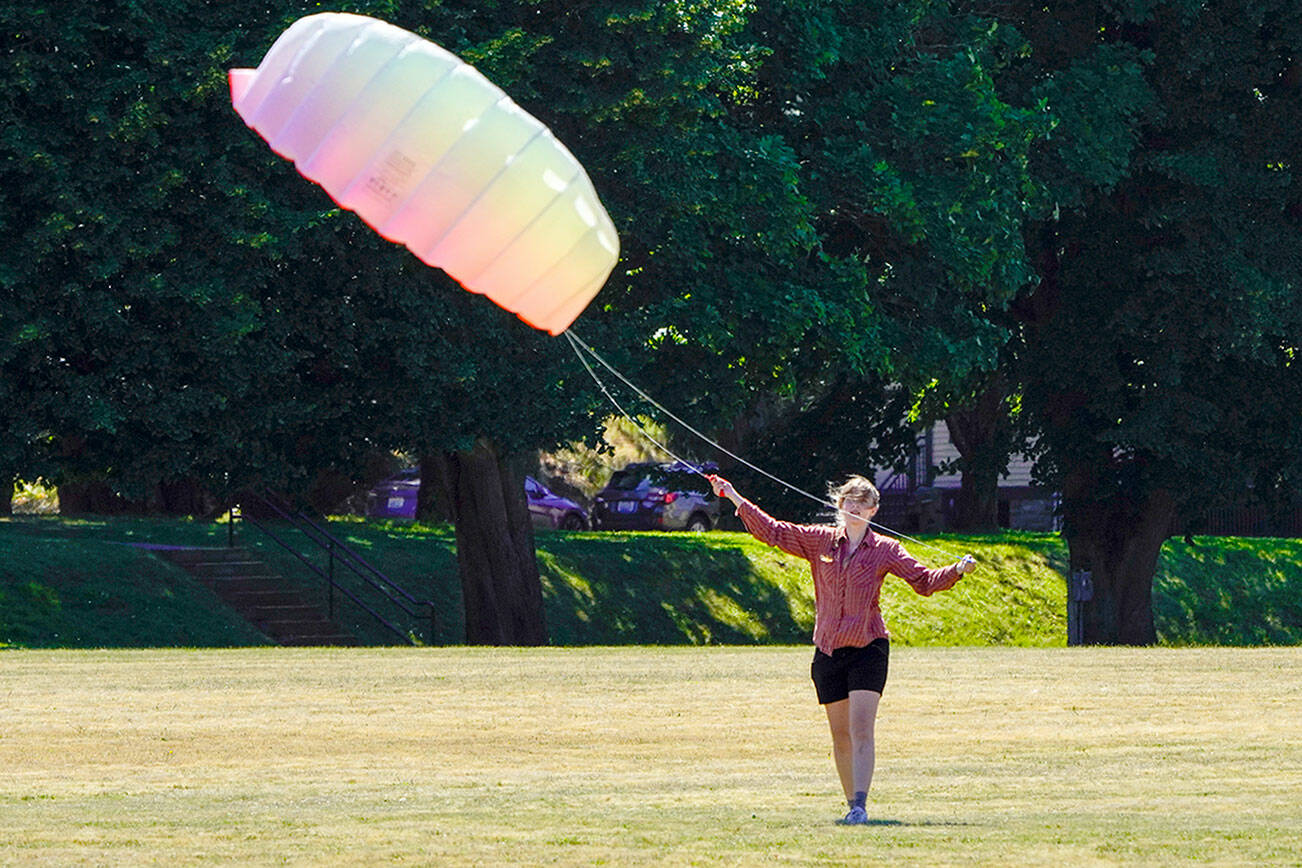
{"x":928,"y":581}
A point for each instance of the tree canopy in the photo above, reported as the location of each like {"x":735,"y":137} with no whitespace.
{"x":178,"y":301}
{"x":1087,"y":213}
{"x":1161,"y":343}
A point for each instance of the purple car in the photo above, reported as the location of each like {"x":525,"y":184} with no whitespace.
{"x":395,"y":497}
{"x":548,"y":509}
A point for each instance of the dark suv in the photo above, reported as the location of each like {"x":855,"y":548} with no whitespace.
{"x":657,"y":497}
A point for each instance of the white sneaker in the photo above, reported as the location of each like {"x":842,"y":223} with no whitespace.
{"x":857,"y":817}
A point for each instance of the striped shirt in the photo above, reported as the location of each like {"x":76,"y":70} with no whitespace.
{"x":847,"y":585}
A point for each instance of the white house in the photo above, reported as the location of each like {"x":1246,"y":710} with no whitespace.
{"x":924,"y":499}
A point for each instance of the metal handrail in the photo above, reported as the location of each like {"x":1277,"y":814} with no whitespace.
{"x":357,"y":560}
{"x":338,"y":551}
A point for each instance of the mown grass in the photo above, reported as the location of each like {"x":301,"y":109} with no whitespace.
{"x":77,"y":583}
{"x":644,"y":756}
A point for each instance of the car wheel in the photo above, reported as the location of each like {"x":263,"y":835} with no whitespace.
{"x":573,"y":521}
{"x":698,"y":523}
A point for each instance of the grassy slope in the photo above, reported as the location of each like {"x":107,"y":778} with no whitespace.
{"x":61,"y":585}
{"x":727,"y":588}
{"x":72,"y":584}
{"x":1230,"y":591}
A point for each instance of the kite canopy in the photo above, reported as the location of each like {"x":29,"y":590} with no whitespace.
{"x":433,"y":155}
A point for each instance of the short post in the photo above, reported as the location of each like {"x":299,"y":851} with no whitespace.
{"x":330,"y":571}
{"x":1080,"y":589}
{"x":230,"y":525}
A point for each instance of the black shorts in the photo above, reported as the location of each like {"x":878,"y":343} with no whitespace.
{"x":849,"y":669}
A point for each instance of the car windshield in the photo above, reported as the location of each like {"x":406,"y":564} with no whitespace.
{"x":681,"y":480}
{"x":631,"y":479}
{"x":627,"y":480}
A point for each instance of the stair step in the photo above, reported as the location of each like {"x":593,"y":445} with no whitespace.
{"x":224,"y":585}
{"x":297,"y":627}
{"x":267,"y":598}
{"x":295,"y":612}
{"x":206,"y":555}
{"x":285,"y":615}
{"x":323,"y":639}
{"x":218,"y":569}
{"x":263,"y":614}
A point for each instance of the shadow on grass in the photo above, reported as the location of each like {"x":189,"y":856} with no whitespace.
{"x":661,"y":589}
{"x":912,"y":824}
{"x":1229,"y":591}
{"x":64,"y":586}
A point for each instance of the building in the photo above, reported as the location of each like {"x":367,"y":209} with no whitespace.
{"x":920,"y":498}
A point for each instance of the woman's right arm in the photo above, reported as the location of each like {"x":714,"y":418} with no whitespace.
{"x":797,"y":539}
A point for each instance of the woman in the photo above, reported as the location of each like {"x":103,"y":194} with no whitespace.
{"x":849,"y":562}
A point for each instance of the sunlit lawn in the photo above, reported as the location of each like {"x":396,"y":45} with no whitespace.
{"x":644,"y":756}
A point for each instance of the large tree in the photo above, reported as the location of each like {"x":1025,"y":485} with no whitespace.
{"x":1145,"y":320}
{"x":916,"y":171}
{"x":1161,"y":344}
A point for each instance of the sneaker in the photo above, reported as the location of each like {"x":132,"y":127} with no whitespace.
{"x":857,"y":817}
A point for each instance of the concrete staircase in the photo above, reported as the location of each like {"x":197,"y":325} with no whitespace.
{"x":286,"y":616}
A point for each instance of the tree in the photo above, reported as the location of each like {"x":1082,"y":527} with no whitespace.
{"x":916,"y":169}
{"x":1161,"y":356}
{"x":1155,"y":275}
{"x":499,"y":578}
{"x":983,"y":428}
{"x":631,"y":88}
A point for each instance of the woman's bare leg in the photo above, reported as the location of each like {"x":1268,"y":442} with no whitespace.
{"x":853,"y":723}
{"x":838,"y":719}
{"x":863,"y":720}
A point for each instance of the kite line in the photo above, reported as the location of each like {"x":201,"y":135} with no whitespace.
{"x":581,"y":348}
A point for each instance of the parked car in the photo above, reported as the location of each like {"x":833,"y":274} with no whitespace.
{"x":652,"y":496}
{"x":396,"y":496}
{"x":548,"y":509}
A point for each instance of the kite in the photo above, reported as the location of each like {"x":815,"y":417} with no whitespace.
{"x":433,"y":155}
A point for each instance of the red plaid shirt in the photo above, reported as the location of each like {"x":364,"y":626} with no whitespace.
{"x":847,"y":585}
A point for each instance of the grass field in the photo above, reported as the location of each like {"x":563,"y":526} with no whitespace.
{"x":644,"y":756}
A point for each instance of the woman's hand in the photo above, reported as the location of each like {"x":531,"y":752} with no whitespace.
{"x":966,"y":564}
{"x":722,"y":487}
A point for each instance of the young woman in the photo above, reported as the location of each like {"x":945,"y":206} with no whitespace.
{"x":849,"y":562}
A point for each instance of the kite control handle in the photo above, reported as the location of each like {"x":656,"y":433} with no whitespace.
{"x":722,"y":487}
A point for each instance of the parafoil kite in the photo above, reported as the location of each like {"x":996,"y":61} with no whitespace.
{"x":434,"y":156}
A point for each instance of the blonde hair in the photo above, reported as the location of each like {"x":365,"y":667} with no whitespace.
{"x":854,"y":488}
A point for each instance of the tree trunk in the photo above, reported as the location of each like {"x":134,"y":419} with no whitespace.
{"x":981,"y":431}
{"x":977,"y":505}
{"x":93,"y":497}
{"x":431,"y":500}
{"x":1117,"y":541}
{"x":184,"y":497}
{"x":502,"y":592}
